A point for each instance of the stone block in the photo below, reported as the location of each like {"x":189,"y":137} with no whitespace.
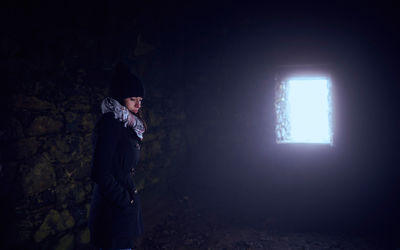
{"x":43,"y":125}
{"x":78,"y":104}
{"x":31,"y":103}
{"x":40,"y":177}
{"x":84,"y":236}
{"x":66,"y":242}
{"x":71,"y":116}
{"x":54,"y":222}
{"x":80,"y":122}
{"x":86,"y":144}
{"x":88,"y":122}
{"x":73,"y":193}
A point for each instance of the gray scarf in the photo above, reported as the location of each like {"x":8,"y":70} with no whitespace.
{"x":124,"y":115}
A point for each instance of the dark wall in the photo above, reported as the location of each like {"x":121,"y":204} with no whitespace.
{"x":238,"y":169}
{"x":57,"y":60}
{"x":209,"y":73}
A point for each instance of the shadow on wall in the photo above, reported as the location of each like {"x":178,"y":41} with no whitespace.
{"x":237,"y":169}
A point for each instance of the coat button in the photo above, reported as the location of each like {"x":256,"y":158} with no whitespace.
{"x":131,"y":201}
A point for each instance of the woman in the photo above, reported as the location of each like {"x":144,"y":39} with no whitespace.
{"x":115,"y":215}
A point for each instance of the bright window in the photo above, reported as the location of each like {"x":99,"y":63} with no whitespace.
{"x":303,"y":109}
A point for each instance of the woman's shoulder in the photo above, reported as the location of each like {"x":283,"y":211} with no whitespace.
{"x":108,"y":120}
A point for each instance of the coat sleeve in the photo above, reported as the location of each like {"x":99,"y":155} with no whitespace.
{"x":108,"y":132}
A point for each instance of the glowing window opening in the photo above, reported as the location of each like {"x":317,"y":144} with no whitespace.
{"x":303,"y":109}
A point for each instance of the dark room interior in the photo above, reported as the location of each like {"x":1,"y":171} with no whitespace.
{"x":211,"y":174}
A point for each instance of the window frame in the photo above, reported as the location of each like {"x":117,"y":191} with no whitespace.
{"x":286,"y":72}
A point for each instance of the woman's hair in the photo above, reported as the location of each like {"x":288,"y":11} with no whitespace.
{"x":139,"y":114}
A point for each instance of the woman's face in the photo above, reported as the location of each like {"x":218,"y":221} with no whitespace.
{"x":133,"y":104}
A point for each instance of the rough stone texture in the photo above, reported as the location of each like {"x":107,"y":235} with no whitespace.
{"x":66,"y":242}
{"x":40,"y":177}
{"x":53,"y":223}
{"x":32,"y":103}
{"x":43,"y":125}
{"x":84,"y":236}
{"x":53,"y":98}
{"x":24,"y":148}
{"x":77,"y":103}
{"x":88,"y":122}
{"x":71,"y":117}
{"x":49,"y":153}
{"x":73,"y":192}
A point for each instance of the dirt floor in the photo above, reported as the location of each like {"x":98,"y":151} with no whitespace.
{"x":187,"y":228}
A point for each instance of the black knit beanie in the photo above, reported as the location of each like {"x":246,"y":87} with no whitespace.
{"x":125,"y":84}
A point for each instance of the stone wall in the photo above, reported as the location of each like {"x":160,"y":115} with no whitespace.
{"x":51,"y":102}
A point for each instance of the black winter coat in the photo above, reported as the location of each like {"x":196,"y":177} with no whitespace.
{"x":115,"y":214}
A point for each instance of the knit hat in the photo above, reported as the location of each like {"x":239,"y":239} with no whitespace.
{"x":125,"y":84}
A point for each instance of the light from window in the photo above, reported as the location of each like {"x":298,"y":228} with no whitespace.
{"x":303,"y":109}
